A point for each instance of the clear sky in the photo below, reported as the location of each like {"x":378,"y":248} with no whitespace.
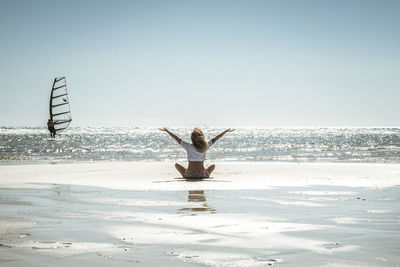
{"x":219,"y":63}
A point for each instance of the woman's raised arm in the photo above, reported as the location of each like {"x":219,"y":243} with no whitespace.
{"x":221,"y":134}
{"x":171,"y":134}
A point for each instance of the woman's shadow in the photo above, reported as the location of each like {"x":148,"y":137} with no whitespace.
{"x":194,"y":179}
{"x":183,"y":179}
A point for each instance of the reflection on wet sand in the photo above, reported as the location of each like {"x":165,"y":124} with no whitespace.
{"x":197,"y":196}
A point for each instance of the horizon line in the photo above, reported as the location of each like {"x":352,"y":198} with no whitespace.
{"x":207,"y":126}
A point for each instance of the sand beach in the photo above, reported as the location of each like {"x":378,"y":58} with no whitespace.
{"x":247,"y":214}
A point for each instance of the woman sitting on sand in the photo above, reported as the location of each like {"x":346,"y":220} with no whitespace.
{"x":196,"y":153}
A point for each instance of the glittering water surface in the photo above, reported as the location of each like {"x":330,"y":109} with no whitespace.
{"x":245,"y":144}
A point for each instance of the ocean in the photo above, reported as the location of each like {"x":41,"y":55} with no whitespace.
{"x":249,"y":144}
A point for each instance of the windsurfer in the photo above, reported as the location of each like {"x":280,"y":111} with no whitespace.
{"x":50,"y":126}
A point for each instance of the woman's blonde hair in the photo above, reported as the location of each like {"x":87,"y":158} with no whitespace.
{"x":199,"y":140}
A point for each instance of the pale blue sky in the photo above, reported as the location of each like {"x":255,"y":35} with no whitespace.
{"x":220,"y":63}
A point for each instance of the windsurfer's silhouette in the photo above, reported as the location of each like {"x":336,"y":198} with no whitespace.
{"x":52,"y":130}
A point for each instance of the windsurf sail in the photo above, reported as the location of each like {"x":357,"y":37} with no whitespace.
{"x":60,"y":112}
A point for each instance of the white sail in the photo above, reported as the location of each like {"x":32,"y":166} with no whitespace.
{"x":60,"y":112}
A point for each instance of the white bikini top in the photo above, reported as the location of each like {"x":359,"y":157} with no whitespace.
{"x":192,"y":153}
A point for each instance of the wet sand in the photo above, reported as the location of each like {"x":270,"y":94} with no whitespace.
{"x":247,"y":214}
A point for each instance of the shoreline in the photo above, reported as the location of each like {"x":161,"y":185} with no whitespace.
{"x":4,"y":162}
{"x":236,"y":175}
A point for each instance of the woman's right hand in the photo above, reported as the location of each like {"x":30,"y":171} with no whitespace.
{"x":171,"y":134}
